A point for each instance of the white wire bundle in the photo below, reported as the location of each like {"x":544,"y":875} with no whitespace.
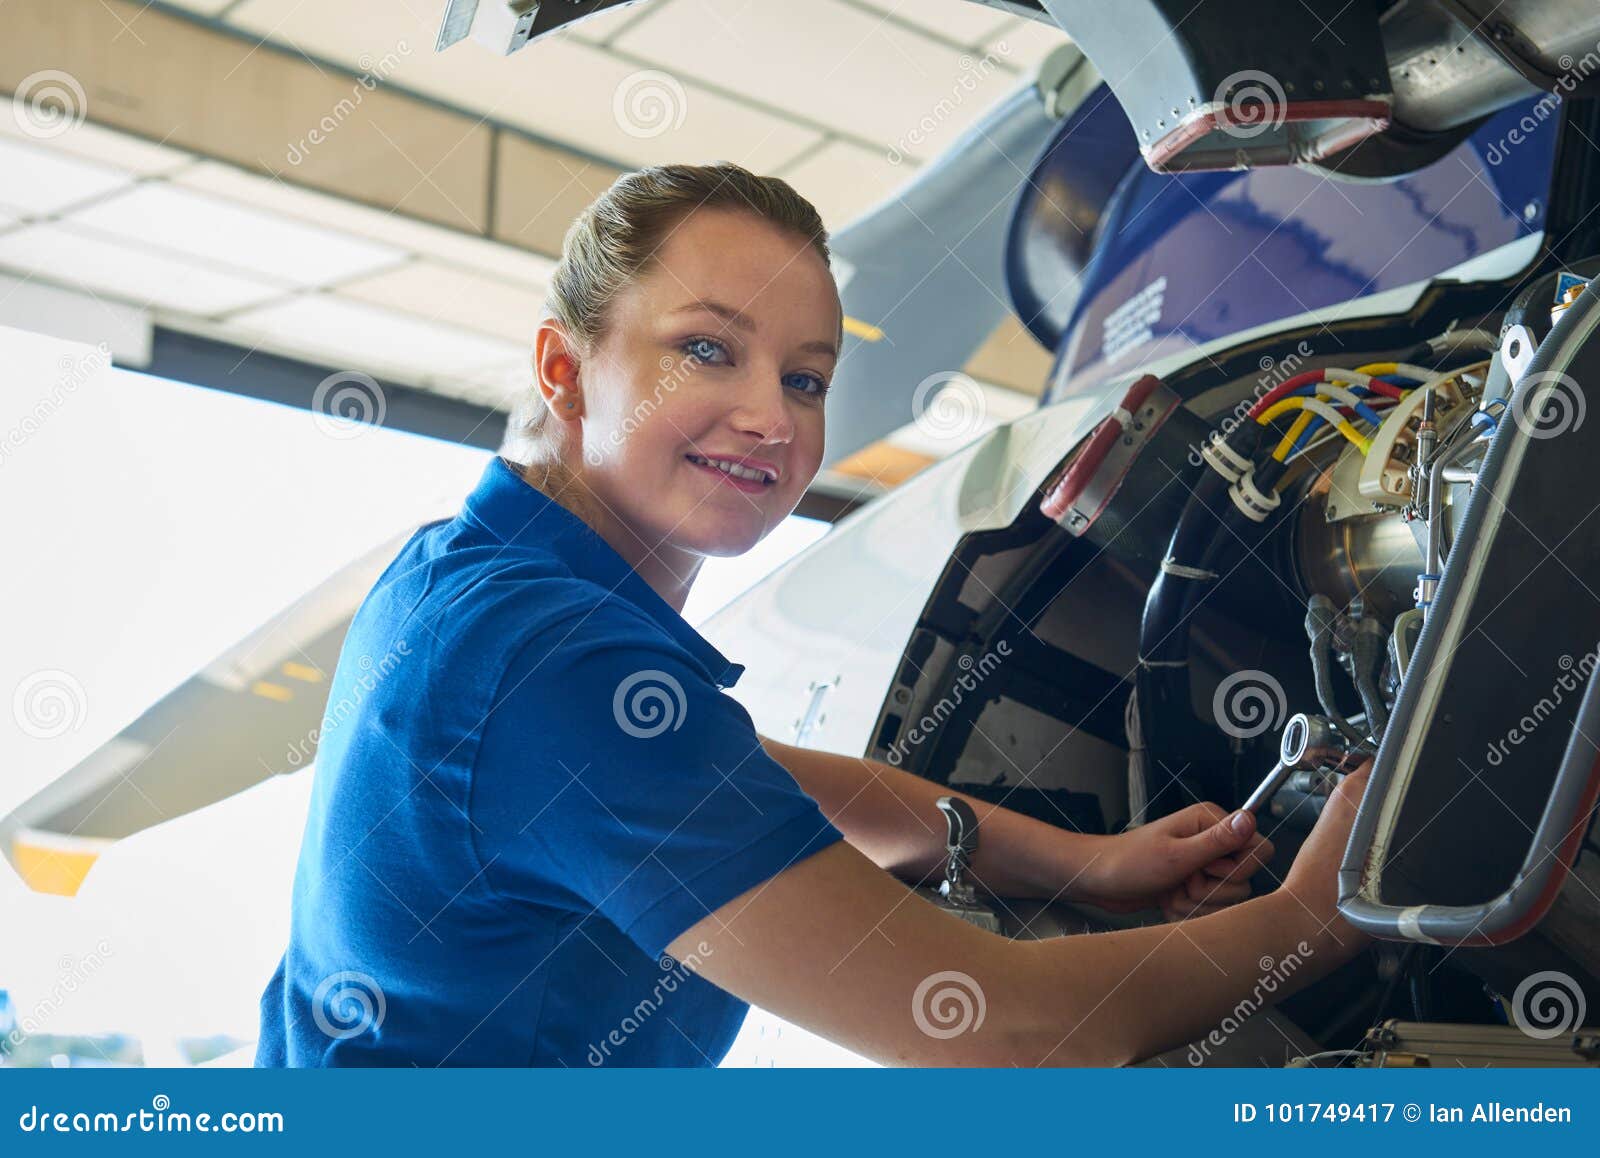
{"x":1138,"y":761}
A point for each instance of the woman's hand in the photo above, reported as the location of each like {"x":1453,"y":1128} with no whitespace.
{"x":1188,"y":864}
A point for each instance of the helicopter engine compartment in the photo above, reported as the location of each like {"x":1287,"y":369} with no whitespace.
{"x":1221,"y":595}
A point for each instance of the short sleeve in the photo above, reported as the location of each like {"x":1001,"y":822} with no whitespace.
{"x":614,"y":776}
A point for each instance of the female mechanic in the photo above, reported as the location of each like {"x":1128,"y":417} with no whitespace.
{"x":543,"y":794}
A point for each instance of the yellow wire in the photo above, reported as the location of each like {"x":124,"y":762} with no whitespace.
{"x":1298,"y":402}
{"x":1295,"y":431}
{"x":1303,"y":420}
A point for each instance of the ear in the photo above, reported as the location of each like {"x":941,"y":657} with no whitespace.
{"x":556,"y":365}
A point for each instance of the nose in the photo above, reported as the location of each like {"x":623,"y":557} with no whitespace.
{"x":764,"y":411}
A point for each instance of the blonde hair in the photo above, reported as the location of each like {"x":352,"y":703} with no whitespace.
{"x":611,"y":244}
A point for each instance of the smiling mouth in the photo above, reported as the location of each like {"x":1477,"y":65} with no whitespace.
{"x":746,"y":479}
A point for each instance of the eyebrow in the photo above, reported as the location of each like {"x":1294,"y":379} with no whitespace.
{"x":744,"y":322}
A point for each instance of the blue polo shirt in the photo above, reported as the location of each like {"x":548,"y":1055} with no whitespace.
{"x":528,"y":783}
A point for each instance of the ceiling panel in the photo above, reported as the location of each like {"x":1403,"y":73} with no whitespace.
{"x":36,"y":180}
{"x":446,"y":245}
{"x":94,"y":142}
{"x":563,"y":89}
{"x":844,"y":180}
{"x":959,"y":20}
{"x":1025,"y":44}
{"x":132,"y":273}
{"x":442,"y":293}
{"x":353,"y":335}
{"x":609,"y":24}
{"x":203,"y":226}
{"x":862,"y":76}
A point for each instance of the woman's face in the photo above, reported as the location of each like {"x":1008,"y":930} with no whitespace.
{"x":722,"y":350}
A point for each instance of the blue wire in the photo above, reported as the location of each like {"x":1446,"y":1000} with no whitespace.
{"x":1371,"y":415}
{"x":1367,"y":413}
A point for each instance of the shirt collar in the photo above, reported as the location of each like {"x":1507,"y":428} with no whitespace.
{"x":514,"y":511}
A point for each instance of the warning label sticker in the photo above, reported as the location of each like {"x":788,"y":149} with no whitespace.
{"x":1132,"y":324}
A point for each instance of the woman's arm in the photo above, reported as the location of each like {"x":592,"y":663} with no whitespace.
{"x":837,"y":946}
{"x":890,"y":815}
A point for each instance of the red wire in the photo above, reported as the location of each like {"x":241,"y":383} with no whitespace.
{"x":1310,"y":377}
{"x":1283,"y":390}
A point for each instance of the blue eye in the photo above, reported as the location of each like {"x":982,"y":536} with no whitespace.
{"x":704,"y":349}
{"x":808,"y":384}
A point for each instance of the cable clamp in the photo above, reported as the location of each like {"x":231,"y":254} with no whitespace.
{"x":1254,"y":503}
{"x":1223,"y":459}
{"x":1171,"y":566}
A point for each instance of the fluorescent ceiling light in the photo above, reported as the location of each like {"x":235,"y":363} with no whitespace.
{"x":145,"y":278}
{"x":39,"y":181}
{"x":247,"y":239}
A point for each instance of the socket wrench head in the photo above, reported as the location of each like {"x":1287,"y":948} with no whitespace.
{"x":1311,"y":742}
